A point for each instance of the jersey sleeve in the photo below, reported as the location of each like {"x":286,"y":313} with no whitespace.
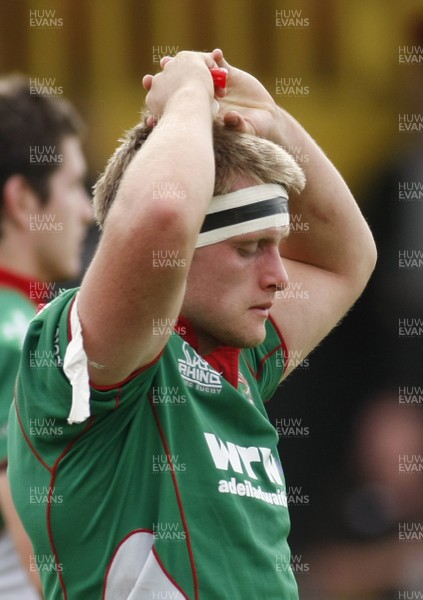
{"x":267,"y":361}
{"x":45,"y":394}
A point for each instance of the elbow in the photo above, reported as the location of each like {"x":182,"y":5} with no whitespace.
{"x":365,"y":264}
{"x":369,"y":256}
{"x":176,"y":219}
{"x":372,"y":256}
{"x":167,"y":222}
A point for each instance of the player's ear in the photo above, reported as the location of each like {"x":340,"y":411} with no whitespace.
{"x":234,"y":120}
{"x":19,"y":201}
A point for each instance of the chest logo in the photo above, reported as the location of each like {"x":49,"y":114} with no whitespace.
{"x":247,"y":462}
{"x":196,"y":372}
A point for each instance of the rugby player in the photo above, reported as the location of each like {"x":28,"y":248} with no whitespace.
{"x":162,"y":479}
{"x":44,"y":215}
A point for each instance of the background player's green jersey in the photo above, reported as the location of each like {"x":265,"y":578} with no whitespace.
{"x":172,"y":488}
{"x":16,"y":311}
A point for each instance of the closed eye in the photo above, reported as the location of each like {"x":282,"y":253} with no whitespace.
{"x":248,"y":249}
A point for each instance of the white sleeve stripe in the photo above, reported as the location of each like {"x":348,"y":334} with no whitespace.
{"x":75,"y":366}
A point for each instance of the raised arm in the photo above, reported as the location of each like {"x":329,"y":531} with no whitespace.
{"x":128,"y":303}
{"x":330,"y":253}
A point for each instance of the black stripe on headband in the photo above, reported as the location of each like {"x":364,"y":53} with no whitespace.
{"x":241,"y":214}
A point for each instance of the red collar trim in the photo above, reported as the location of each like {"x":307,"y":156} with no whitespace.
{"x":223,"y":359}
{"x":31,"y":288}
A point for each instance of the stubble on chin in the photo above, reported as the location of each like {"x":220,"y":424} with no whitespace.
{"x":241,"y":339}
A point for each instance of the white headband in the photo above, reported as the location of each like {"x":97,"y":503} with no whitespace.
{"x":244,"y":211}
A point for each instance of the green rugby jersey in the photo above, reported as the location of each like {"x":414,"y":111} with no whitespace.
{"x":16,"y":311}
{"x":172,"y":488}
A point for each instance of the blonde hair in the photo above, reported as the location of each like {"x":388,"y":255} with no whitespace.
{"x":236,"y":154}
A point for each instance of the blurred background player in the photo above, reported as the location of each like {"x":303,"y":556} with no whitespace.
{"x":44,"y":215}
{"x":363,"y":547}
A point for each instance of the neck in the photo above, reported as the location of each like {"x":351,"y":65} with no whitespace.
{"x":17,"y":255}
{"x":206,"y":344}
{"x":200,"y":341}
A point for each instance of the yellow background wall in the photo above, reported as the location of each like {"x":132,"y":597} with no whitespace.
{"x":346,"y":55}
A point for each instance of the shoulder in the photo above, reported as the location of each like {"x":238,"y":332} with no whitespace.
{"x":268,"y":360}
{"x":49,"y":313}
{"x":49,"y":328}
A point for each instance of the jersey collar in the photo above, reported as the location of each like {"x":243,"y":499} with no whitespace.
{"x":223,"y":359}
{"x":22,"y":284}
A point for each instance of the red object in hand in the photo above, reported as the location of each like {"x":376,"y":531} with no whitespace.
{"x":219,"y":77}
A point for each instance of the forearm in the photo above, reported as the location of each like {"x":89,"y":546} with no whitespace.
{"x":175,"y":168}
{"x":328,"y":229}
{"x":159,"y":206}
